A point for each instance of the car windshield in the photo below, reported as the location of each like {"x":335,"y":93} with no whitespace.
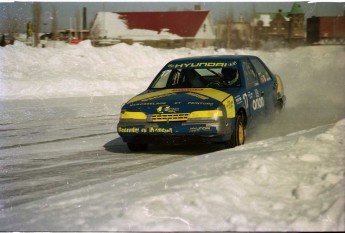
{"x":216,"y":75}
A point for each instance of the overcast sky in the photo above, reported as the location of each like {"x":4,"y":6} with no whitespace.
{"x":66,"y":11}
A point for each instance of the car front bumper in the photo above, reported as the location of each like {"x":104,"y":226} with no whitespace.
{"x":174,"y":132}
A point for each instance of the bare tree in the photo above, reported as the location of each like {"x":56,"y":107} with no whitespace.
{"x":54,"y":24}
{"x":78,"y":23}
{"x":37,"y":18}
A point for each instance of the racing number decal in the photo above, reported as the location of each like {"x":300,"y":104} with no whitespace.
{"x":258,"y":103}
{"x":245,"y":97}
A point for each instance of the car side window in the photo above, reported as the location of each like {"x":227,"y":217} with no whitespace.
{"x":261,"y":70}
{"x":249,"y":74}
{"x":161,"y":82}
{"x":169,"y":79}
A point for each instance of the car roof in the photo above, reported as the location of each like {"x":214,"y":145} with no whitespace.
{"x":211,"y":58}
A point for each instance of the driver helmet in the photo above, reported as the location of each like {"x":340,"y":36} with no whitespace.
{"x":230,"y":75}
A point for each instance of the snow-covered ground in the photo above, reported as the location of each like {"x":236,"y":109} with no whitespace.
{"x":289,"y":176}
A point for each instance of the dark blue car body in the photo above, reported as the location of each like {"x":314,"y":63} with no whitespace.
{"x":204,"y":99}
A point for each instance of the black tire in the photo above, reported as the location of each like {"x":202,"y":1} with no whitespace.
{"x":136,"y":147}
{"x":238,"y":135}
{"x":279,"y":107}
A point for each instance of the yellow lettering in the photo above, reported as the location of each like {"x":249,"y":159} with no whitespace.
{"x":129,"y":130}
{"x":221,"y":64}
{"x":202,"y":64}
{"x":160,"y":130}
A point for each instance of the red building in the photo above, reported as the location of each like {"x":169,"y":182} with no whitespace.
{"x":168,"y":29}
{"x":328,"y":30}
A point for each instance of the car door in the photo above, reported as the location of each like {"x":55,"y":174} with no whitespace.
{"x":253,"y":95}
{"x":267,"y":85}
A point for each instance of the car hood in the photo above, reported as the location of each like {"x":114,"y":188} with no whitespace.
{"x":176,"y":100}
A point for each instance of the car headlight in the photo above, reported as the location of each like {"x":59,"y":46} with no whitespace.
{"x":206,"y":116}
{"x":127,"y":116}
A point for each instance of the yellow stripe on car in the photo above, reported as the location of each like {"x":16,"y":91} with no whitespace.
{"x":226,"y":99}
{"x":221,"y":96}
{"x":229,"y":104}
{"x":280,"y":90}
{"x":213,"y":93}
{"x":133,"y":115}
{"x":206,"y":114}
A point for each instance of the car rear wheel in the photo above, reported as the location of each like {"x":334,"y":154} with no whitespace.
{"x":279,"y":107}
{"x":136,"y":147}
{"x":238,"y":135}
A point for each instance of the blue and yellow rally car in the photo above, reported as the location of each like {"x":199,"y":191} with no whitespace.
{"x":201,"y":99}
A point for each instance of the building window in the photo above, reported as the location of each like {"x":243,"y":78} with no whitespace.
{"x":204,"y":27}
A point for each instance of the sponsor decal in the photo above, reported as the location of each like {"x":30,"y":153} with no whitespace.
{"x":128,"y":130}
{"x":166,"y":109}
{"x":200,"y":103}
{"x":258,"y":103}
{"x":137,"y":130}
{"x":160,"y":130}
{"x":200,"y":128}
{"x":238,"y":99}
{"x":147,"y":103}
{"x":202,"y":65}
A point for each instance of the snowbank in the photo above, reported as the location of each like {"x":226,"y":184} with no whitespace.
{"x":82,"y":70}
{"x":291,"y":183}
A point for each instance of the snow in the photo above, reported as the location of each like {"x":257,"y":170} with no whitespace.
{"x":289,"y":176}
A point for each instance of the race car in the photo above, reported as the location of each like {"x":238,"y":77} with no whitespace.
{"x":208,"y":99}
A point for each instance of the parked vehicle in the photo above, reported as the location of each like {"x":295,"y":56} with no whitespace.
{"x":202,"y":99}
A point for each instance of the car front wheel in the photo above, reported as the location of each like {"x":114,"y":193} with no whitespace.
{"x":238,"y":135}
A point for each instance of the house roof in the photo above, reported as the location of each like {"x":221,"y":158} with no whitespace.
{"x":296,"y":9}
{"x":266,"y":18}
{"x":181,"y":23}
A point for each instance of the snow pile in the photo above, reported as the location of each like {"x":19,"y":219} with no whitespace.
{"x":74,"y":71}
{"x":291,"y":183}
{"x":282,"y":184}
{"x":83,"y":70}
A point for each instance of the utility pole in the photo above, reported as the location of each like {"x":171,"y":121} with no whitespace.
{"x":37,"y":11}
{"x":54,"y":24}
